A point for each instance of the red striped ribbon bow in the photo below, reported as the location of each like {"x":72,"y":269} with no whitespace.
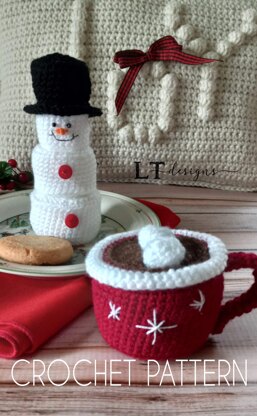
{"x":164,"y":49}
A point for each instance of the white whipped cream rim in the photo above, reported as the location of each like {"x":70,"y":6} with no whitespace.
{"x":185,"y":276}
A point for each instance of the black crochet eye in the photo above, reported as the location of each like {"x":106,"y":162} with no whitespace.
{"x":68,"y":125}
{"x":53,"y":124}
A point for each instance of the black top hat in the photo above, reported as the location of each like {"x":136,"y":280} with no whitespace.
{"x":62,"y":86}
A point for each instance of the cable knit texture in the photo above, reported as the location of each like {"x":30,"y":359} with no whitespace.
{"x":146,"y":315}
{"x":201,"y":117}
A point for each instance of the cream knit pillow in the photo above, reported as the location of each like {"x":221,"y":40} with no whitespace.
{"x":28,"y":29}
{"x":181,"y":124}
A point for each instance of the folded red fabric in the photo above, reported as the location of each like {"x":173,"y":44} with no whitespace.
{"x":32,"y":310}
{"x":167,"y":217}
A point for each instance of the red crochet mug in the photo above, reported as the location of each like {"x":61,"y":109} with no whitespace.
{"x":156,"y":300}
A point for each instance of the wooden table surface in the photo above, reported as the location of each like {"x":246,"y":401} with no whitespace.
{"x":232,"y":216}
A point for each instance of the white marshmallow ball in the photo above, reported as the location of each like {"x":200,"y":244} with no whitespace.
{"x":160,"y":247}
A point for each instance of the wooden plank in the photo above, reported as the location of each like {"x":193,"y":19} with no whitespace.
{"x":101,"y":401}
{"x":241,"y":241}
{"x":174,"y":192}
{"x":204,"y":208}
{"x":213,"y":223}
{"x":209,"y":204}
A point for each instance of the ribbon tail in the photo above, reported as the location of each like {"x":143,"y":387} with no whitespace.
{"x":186,"y":58}
{"x":125,"y":86}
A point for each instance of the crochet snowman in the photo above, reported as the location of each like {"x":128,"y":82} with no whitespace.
{"x":65,"y":201}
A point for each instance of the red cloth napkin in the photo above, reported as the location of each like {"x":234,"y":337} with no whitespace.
{"x":167,"y":217}
{"x":33,"y":310}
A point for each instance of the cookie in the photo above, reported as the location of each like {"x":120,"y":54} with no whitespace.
{"x":36,"y":250}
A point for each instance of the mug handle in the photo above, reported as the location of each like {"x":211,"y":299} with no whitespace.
{"x":247,"y":300}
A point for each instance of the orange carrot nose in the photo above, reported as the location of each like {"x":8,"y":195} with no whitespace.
{"x":61,"y":131}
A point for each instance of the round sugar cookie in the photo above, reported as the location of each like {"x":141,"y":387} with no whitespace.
{"x":36,"y":250}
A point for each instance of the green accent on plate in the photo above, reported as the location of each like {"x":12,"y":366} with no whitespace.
{"x":20,"y":225}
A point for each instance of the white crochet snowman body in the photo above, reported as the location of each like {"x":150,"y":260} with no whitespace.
{"x":65,"y":201}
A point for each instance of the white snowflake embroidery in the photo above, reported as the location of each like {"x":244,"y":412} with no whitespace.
{"x":198,"y":304}
{"x":115,"y":311}
{"x":155,"y":327}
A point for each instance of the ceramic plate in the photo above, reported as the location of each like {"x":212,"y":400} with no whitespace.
{"x":119,"y":213}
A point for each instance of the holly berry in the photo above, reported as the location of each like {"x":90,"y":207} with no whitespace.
{"x":12,"y":163}
{"x":23,"y":177}
{"x":11,"y":177}
{"x":10,"y":186}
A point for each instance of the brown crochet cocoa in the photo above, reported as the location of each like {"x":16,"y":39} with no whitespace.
{"x":127,"y":253}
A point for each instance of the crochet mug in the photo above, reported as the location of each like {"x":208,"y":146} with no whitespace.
{"x":158,"y":292}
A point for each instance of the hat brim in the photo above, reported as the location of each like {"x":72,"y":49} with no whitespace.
{"x":63,"y":110}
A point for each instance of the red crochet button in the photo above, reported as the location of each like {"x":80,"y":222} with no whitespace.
{"x":71,"y":221}
{"x":65,"y":172}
